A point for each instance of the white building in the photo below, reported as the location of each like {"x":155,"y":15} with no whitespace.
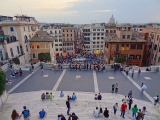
{"x":55,"y":31}
{"x":93,"y":36}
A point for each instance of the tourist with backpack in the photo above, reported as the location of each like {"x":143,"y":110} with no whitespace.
{"x":42,"y":113}
{"x":156,"y":99}
{"x":26,"y":114}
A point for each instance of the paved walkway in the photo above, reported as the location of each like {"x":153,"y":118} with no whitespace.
{"x":83,"y":107}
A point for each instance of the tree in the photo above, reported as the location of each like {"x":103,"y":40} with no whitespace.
{"x":44,"y":57}
{"x":2,"y":81}
{"x":120,"y":59}
{"x":16,"y":60}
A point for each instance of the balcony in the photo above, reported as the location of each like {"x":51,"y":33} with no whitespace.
{"x":117,"y":51}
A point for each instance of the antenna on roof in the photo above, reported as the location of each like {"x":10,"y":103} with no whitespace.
{"x":21,"y":9}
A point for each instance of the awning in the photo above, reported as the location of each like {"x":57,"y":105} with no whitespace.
{"x":4,"y":36}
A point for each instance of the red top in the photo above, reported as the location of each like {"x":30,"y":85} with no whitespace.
{"x":123,"y":107}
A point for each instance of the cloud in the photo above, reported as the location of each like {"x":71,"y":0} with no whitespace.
{"x":101,"y":11}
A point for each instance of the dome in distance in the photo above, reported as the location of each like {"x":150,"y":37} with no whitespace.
{"x":112,"y":20}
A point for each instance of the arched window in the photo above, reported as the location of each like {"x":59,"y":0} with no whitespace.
{"x":157,"y":37}
{"x":32,"y":45}
{"x":38,"y":46}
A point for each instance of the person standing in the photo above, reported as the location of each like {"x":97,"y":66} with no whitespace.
{"x":115,"y":107}
{"x":139,"y":115}
{"x":156,"y":99}
{"x":15,"y":115}
{"x":130,"y":101}
{"x":20,"y":72}
{"x":134,"y":111}
{"x":139,"y":71}
{"x":42,"y":68}
{"x":113,"y":86}
{"x":26,"y":114}
{"x":116,"y":88}
{"x":143,"y":111}
{"x":123,"y":109}
{"x":90,"y":66}
{"x":68,"y":106}
{"x":132,"y":73}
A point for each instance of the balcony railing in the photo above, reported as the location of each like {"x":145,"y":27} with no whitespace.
{"x":117,"y":51}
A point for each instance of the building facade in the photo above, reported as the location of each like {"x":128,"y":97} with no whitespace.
{"x":126,"y":43}
{"x":93,"y":37}
{"x":23,"y":28}
{"x":42,"y":42}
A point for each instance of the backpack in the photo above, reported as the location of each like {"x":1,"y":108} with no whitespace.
{"x":26,"y":113}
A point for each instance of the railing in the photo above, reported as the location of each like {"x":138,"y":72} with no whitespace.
{"x":117,"y":51}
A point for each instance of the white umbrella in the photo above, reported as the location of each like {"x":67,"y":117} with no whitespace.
{"x":144,"y":87}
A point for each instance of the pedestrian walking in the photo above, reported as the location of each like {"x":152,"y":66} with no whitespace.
{"x":130,"y":101}
{"x":156,"y":99}
{"x":139,"y":72}
{"x":15,"y":115}
{"x":113,"y":86}
{"x":68,"y":106}
{"x":124,"y":99}
{"x":134,"y":111}
{"x":26,"y":113}
{"x":130,"y":94}
{"x":115,"y":107}
{"x":116,"y":88}
{"x":132,"y":73}
{"x":123,"y":109}
{"x":42,"y":68}
{"x":143,"y":87}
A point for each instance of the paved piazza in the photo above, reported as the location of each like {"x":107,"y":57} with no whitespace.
{"x":27,"y":90}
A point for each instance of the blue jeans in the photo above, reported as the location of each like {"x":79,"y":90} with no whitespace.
{"x":134,"y":115}
{"x":122,"y":113}
{"x":138,"y":118}
{"x":68,"y":110}
{"x":115,"y":110}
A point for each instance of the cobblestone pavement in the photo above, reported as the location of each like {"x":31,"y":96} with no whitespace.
{"x":83,"y":106}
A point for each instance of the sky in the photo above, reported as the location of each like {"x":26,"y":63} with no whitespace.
{"x":84,"y":11}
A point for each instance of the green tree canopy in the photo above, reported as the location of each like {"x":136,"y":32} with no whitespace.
{"x":120,"y":59}
{"x":44,"y":56}
{"x":2,"y":81}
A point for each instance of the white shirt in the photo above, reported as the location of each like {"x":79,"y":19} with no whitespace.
{"x":96,"y":112}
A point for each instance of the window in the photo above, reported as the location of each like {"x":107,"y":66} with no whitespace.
{"x":128,"y":36}
{"x":26,"y":48}
{"x":32,"y":45}
{"x":97,"y":33}
{"x":157,"y":37}
{"x":11,"y":52}
{"x":114,"y":31}
{"x":138,"y":57}
{"x":131,"y":57}
{"x":102,"y":29}
{"x":94,"y":29}
{"x":94,"y":34}
{"x":133,"y":46}
{"x":102,"y":38}
{"x":155,"y":47}
{"x":50,"y":32}
{"x":56,"y":49}
{"x":159,"y":48}
{"x":127,"y":46}
{"x":67,"y":35}
{"x":97,"y":46}
{"x":25,"y":38}
{"x":71,"y":35}
{"x":152,"y":36}
{"x":38,"y":46}
{"x":106,"y":31}
{"x":98,"y":29}
{"x":63,"y":35}
{"x":71,"y":30}
{"x":122,"y":47}
{"x":28,"y":28}
{"x":34,"y":55}
{"x":94,"y":38}
{"x":24,"y":29}
{"x":11,"y":29}
{"x":63,"y":30}
{"x":56,"y":44}
{"x":67,"y":30}
{"x":97,"y":38}
{"x":123,"y":36}
{"x":102,"y":34}
{"x":94,"y":42}
{"x":18,"y":50}
{"x":56,"y":40}
{"x":159,"y":59}
{"x":60,"y":40}
{"x":139,"y":46}
{"x":60,"y":44}
{"x":60,"y":49}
